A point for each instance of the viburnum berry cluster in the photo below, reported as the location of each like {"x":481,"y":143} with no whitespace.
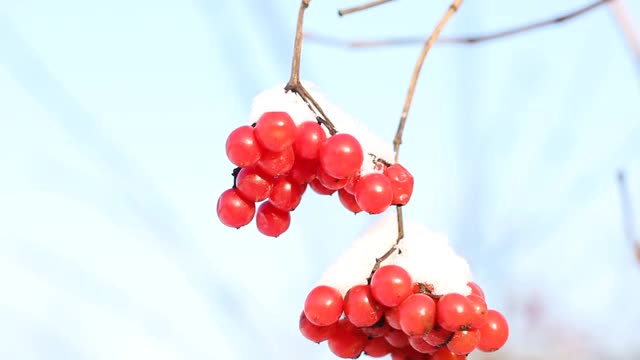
{"x":278,"y":157}
{"x":420,"y":304}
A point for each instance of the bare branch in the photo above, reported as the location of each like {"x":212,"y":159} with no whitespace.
{"x":627,"y":215}
{"x":626,"y":26}
{"x":466,"y":39}
{"x":397,"y":141}
{"x":366,"y":6}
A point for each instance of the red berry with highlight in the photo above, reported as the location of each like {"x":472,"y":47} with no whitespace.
{"x":275,"y":131}
{"x":390,"y":285}
{"x":476,"y":289}
{"x":347,"y":342}
{"x":242,"y":148}
{"x":323,"y":305}
{"x":309,"y":138}
{"x":445,"y":354}
{"x":454,"y":312}
{"x":360,"y":307}
{"x":391,"y":316}
{"x":341,"y":156}
{"x":479,"y":310}
{"x":417,"y":314}
{"x":313,"y":332}
{"x":253,"y":184}
{"x":494,"y":333}
{"x":277,"y":163}
{"x":304,"y":171}
{"x":349,"y":201}
{"x":464,"y":342}
{"x":233,"y":210}
{"x":329,"y":181}
{"x":401,"y":182}
{"x":374,"y":193}
{"x":286,"y":193}
{"x":272,"y":221}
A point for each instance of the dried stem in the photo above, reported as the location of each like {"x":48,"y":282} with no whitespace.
{"x":333,"y":41}
{"x":626,"y":26}
{"x":294,"y":83}
{"x":627,"y":215}
{"x":397,"y":141}
{"x":366,"y":6}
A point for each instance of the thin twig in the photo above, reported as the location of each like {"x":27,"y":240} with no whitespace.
{"x":627,"y":215}
{"x":467,"y":39}
{"x":397,"y":141}
{"x":294,"y":83}
{"x":626,"y":26}
{"x":366,"y":6}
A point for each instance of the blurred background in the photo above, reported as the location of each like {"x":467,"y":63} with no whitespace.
{"x":113,"y":118}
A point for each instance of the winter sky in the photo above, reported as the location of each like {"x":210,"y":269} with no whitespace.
{"x":113,"y":117}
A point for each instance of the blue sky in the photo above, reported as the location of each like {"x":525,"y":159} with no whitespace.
{"x":113,"y":118}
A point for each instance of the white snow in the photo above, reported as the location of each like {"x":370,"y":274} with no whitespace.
{"x":426,"y":255}
{"x":275,"y":99}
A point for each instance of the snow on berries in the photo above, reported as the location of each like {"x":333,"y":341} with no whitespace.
{"x":288,"y":148}
{"x":420,"y":303}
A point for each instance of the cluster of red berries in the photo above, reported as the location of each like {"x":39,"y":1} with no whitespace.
{"x":276,"y":160}
{"x":395,"y":316}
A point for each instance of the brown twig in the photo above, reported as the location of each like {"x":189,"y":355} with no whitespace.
{"x":366,"y":6}
{"x":467,"y":39}
{"x":627,"y":215}
{"x":626,"y":26}
{"x":397,"y":141}
{"x":294,"y":83}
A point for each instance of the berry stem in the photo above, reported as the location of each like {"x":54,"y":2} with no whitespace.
{"x":397,"y":141}
{"x":364,"y":6}
{"x":294,"y":83}
{"x":235,"y":173}
{"x":627,"y":215}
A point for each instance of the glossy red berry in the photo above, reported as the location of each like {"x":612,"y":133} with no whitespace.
{"x":275,"y":131}
{"x":242,"y":148}
{"x":438,"y":336}
{"x":341,"y":156}
{"x":313,"y":332}
{"x":323,"y":306}
{"x":361,"y":308}
{"x":253,"y":184}
{"x":397,"y":338}
{"x":304,"y":171}
{"x":421,"y":346}
{"x":233,"y":210}
{"x":277,"y":163}
{"x":286,"y":194}
{"x":390,"y":285}
{"x":494,"y":333}
{"x":464,"y":342}
{"x":310,"y":136}
{"x":377,"y":347}
{"x":349,"y":201}
{"x":350,"y":186}
{"x":454,"y":312}
{"x":374,"y":193}
{"x":316,"y":186}
{"x":417,"y":314}
{"x":347,"y":342}
{"x":272,"y":221}
{"x":391,"y":317}
{"x":479,"y":310}
{"x":476,"y":289}
{"x":329,"y":181}
{"x":401,"y":183}
{"x":445,"y":354}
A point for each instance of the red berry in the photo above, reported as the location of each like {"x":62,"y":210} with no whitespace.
{"x":277,"y":163}
{"x":313,"y":332}
{"x":329,"y":181}
{"x":286,"y":193}
{"x":341,"y":156}
{"x":349,"y":201}
{"x":417,"y":314}
{"x":319,"y":188}
{"x":347,"y":341}
{"x":476,"y":289}
{"x":397,"y":338}
{"x":401,"y":182}
{"x":438,"y":336}
{"x":380,"y":329}
{"x":303,"y":171}
{"x":275,"y":131}
{"x":233,"y":210}
{"x":374,"y":193}
{"x":445,"y":354}
{"x":309,"y":138}
{"x":464,"y":342}
{"x":272,"y":221}
{"x":479,"y":310}
{"x":323,"y":305}
{"x":360,"y":307}
{"x":421,"y":346}
{"x":253,"y":184}
{"x":350,"y":187}
{"x":242,"y":148}
{"x":391,"y":316}
{"x":494,"y":333}
{"x":454,"y":312}
{"x":377,"y":347}
{"x":390,"y":285}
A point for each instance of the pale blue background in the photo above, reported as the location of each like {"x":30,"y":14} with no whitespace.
{"x":113,"y":116}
